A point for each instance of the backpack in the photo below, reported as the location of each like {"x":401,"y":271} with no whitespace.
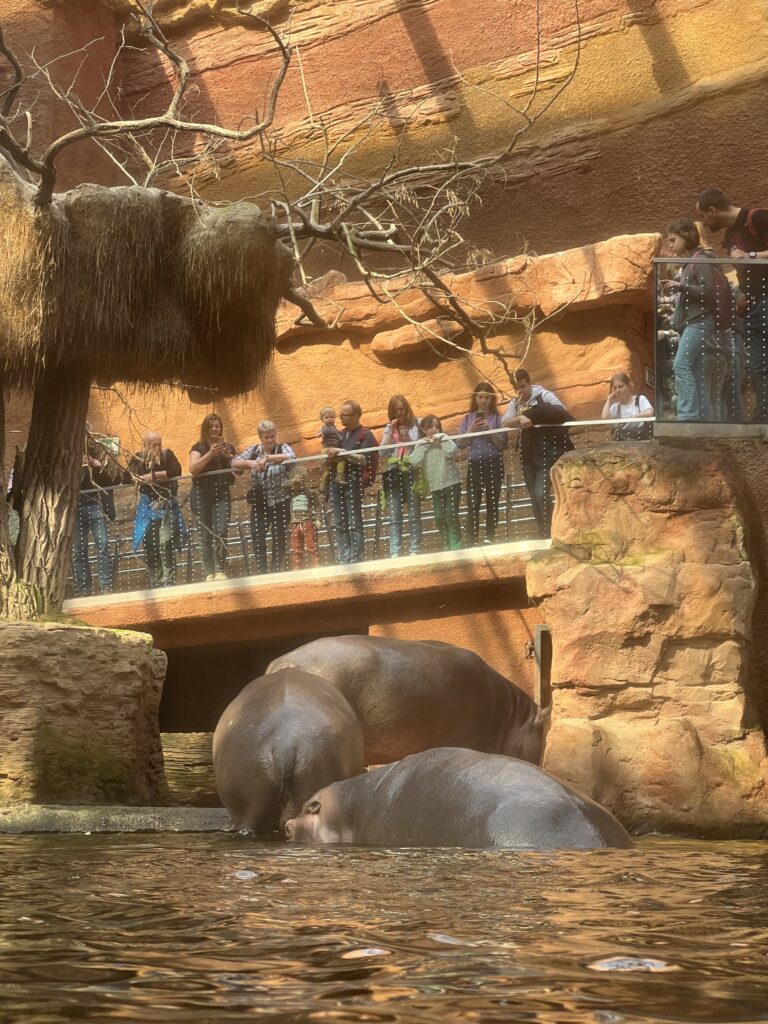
{"x":724,"y":304}
{"x":641,"y":430}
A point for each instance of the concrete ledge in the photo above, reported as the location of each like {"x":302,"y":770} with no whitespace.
{"x":31,"y":818}
{"x":706,"y":431}
{"x":285,"y":603}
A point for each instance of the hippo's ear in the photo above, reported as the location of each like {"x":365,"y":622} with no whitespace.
{"x":313,"y":807}
{"x":543,"y":716}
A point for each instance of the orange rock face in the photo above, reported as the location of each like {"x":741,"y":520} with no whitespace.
{"x":648,"y":591}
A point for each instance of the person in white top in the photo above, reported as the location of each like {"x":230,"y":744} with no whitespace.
{"x":399,"y":477}
{"x":623,"y":403}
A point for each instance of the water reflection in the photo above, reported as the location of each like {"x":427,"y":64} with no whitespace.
{"x":209,"y":928}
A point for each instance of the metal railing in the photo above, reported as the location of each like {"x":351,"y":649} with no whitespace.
{"x":711,"y":340}
{"x":214,"y":527}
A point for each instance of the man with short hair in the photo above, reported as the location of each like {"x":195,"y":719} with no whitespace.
{"x":539,"y":449}
{"x":346,"y":490}
{"x":746,"y":239}
{"x":269,"y":495}
{"x":159,"y":522}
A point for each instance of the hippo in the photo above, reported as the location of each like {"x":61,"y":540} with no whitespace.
{"x":411,"y":695}
{"x":454,"y":797}
{"x":283,"y":737}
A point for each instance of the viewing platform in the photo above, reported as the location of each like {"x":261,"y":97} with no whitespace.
{"x":331,"y":598}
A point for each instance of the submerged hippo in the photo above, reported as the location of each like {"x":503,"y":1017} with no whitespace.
{"x":411,"y":695}
{"x":283,"y":737}
{"x":454,"y":797}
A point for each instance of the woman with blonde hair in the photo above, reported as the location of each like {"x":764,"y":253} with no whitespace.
{"x":399,"y":478}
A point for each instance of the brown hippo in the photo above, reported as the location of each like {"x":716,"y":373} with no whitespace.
{"x":283,"y":737}
{"x":411,"y":695}
{"x":454,"y":797}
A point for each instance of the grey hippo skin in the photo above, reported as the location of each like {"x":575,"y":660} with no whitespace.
{"x":411,"y":695}
{"x":454,"y":797}
{"x":283,"y":737}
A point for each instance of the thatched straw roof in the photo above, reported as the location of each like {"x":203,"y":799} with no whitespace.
{"x":136,"y":284}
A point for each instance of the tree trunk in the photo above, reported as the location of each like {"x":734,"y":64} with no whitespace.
{"x":50,"y":486}
{"x":7,"y":566}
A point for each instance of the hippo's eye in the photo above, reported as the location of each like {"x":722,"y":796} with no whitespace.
{"x":313,"y":807}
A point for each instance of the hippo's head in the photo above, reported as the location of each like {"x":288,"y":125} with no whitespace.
{"x":315,"y":823}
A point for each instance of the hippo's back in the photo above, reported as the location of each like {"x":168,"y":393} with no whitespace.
{"x":411,"y":695}
{"x":284,"y":736}
{"x":457,"y":797}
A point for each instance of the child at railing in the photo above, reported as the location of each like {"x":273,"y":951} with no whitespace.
{"x":303,"y":525}
{"x":435,"y":455}
{"x":331,"y":438}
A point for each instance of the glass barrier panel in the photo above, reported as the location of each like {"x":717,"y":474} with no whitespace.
{"x":309,"y":512}
{"x":711,"y":338}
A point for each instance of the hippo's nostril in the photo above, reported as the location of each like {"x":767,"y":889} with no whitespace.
{"x":289,"y":830}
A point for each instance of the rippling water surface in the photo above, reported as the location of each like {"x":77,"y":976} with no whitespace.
{"x":212,"y":928}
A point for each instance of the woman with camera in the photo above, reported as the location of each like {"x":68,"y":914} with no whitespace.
{"x":209,"y":463}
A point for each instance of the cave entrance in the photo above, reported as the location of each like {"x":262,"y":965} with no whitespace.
{"x":202,"y":680}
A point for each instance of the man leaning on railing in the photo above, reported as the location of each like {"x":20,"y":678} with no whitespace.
{"x":539,"y":449}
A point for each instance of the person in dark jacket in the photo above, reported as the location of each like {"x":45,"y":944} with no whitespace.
{"x":698,"y":357}
{"x":210,"y":498}
{"x":541,"y":448}
{"x":95,"y":506}
{"x":159,"y":523}
{"x":746,"y":240}
{"x":346,"y":489}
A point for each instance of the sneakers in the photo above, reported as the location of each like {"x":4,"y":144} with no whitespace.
{"x":220,"y":576}
{"x":209,"y":578}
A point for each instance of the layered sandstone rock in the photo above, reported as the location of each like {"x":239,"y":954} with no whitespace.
{"x":616,"y":271}
{"x":649,"y":591}
{"x":79,"y":716}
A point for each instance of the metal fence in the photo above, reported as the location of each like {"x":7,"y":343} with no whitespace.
{"x":187,"y":540}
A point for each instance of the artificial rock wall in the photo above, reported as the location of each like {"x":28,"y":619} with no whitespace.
{"x":596,"y":297}
{"x":643,"y":82}
{"x":79,"y":716}
{"x":649,"y":592}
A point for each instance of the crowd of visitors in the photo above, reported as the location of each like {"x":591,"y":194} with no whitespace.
{"x":713,"y":338}
{"x":714,"y":330}
{"x":414,"y":460}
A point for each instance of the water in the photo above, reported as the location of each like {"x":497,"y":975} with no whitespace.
{"x":212,"y":928}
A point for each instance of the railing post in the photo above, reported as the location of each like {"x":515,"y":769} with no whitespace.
{"x":542,"y":653}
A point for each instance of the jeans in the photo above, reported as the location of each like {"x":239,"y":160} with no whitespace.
{"x":347,"y":506}
{"x":445,"y":503}
{"x":160,"y":552}
{"x":756,"y":327}
{"x":688,"y":368}
{"x":90,"y":518}
{"x":484,"y":476}
{"x":536,"y":476}
{"x":733,"y":392}
{"x":211,"y":504}
{"x":398,"y":488}
{"x":277,"y":518}
{"x":715,"y":364}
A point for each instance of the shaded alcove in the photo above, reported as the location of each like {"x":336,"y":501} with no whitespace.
{"x":201,"y":680}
